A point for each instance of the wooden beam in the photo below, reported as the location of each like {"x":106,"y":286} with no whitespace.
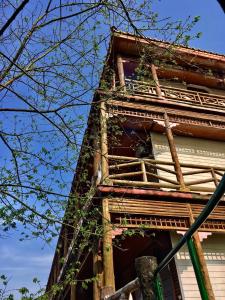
{"x":114,"y":81}
{"x":121,"y":72}
{"x":143,"y":169}
{"x":96,"y":159}
{"x":109,"y":280}
{"x":98,"y":273}
{"x":126,"y":290}
{"x":156,"y":81}
{"x":201,"y":258}
{"x":174,"y":155}
{"x":104,"y":141}
{"x":73,"y":292}
{"x":65,"y":241}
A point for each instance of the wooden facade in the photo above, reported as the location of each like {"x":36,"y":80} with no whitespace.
{"x":158,"y":153}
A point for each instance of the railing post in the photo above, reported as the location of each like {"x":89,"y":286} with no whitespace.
{"x":174,"y":155}
{"x":109,"y":281}
{"x":199,"y":98}
{"x":121,"y":73}
{"x":143,"y":169}
{"x":156,"y":81}
{"x":145,"y":267}
{"x":214,"y":177}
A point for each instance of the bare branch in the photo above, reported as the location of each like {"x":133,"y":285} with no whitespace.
{"x":13,"y":16}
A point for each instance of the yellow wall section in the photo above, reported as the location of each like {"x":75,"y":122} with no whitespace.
{"x":193,"y":151}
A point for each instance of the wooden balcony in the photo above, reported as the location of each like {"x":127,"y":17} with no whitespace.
{"x":176,"y":95}
{"x":137,"y":172}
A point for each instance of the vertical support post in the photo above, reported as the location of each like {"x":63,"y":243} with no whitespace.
{"x":197,"y":269}
{"x":113,"y":80}
{"x":55,"y":276}
{"x":199,"y":98}
{"x":143,"y":169}
{"x":174,"y":155}
{"x":104,"y":141}
{"x":65,"y":240}
{"x":201,"y":259}
{"x":121,"y":72}
{"x":156,"y":81}
{"x":145,"y":267}
{"x":56,"y":267}
{"x":98,"y":272}
{"x":109,"y":281}
{"x":73,"y":292}
{"x":214,"y":177}
{"x":96,"y":159}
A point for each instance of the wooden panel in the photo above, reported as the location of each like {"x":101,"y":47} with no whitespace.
{"x":181,"y":116}
{"x":160,"y":208}
{"x":147,"y":207}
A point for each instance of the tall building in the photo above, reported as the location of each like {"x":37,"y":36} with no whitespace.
{"x":156,"y":140}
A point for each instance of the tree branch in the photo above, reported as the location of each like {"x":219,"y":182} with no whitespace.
{"x":13,"y":16}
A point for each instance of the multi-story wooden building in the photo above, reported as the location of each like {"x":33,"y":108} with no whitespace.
{"x":157,"y":134}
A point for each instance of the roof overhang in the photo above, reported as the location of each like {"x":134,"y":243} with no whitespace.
{"x":132,"y":45}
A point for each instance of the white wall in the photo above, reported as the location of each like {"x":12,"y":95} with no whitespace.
{"x":214,"y":250}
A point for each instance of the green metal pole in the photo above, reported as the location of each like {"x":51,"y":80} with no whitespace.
{"x":158,"y":288}
{"x":197,"y":269}
{"x":212,"y":203}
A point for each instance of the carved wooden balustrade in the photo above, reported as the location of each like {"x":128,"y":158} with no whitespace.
{"x":176,"y":95}
{"x":158,"y":174}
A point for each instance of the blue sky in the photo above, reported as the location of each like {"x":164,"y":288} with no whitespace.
{"x":22,"y":261}
{"x":211,"y":24}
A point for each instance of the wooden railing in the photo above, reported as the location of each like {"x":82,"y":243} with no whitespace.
{"x":176,"y":95}
{"x":133,"y":171}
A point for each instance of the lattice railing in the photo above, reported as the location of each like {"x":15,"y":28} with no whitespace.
{"x":133,"y":171}
{"x":175,"y":94}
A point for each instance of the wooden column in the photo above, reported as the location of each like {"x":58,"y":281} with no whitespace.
{"x":114,"y":80}
{"x":56,"y":267}
{"x":174,"y":155}
{"x":145,"y":267}
{"x":98,"y":273}
{"x":214,"y":177}
{"x":73,"y":292}
{"x":143,"y":169}
{"x":201,"y":258}
{"x":96,"y":160}
{"x":156,"y":81}
{"x":109,"y":281}
{"x":104,"y":141}
{"x":121,"y":72}
{"x":55,"y":276}
{"x":65,"y":241}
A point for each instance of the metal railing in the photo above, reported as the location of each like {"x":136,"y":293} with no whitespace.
{"x":176,"y":94}
{"x":161,"y":174}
